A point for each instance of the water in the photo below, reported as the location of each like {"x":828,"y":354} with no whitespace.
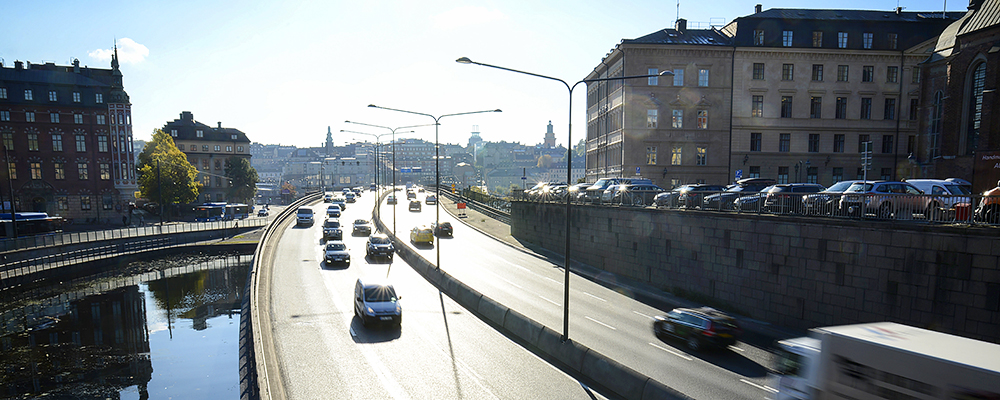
{"x":167,"y":329}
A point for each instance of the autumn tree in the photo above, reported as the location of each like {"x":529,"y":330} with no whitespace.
{"x":165,"y":175}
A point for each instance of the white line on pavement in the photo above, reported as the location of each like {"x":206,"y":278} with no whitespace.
{"x":550,"y":301}
{"x":671,"y":352}
{"x":644,"y":315}
{"x":737,"y":348}
{"x":599,"y":322}
{"x":588,"y":294}
{"x":761,"y":387}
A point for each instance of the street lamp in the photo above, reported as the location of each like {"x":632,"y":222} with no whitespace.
{"x":378,"y":209}
{"x":393,"y":130}
{"x":569,"y":162}
{"x":437,"y":165}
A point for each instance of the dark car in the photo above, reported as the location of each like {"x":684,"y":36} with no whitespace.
{"x":331,"y":229}
{"x":669,"y":199}
{"x":641,"y":194}
{"x":379,"y":245}
{"x":743,"y":187}
{"x":444,"y":229}
{"x":752,"y":203}
{"x":825,"y":202}
{"x":699,"y":328}
{"x":786,"y":198}
{"x":415,"y":205}
{"x":691,"y":196}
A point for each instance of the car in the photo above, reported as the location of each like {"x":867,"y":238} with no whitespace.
{"x":787,"y":198}
{"x":350,"y":197}
{"x":415,"y":205}
{"x":410,"y":194}
{"x":262,"y":212}
{"x":669,"y":199}
{"x":636,"y":194}
{"x":943,"y":196}
{"x":336,"y":252}
{"x":328,"y":197}
{"x":333,"y":211}
{"x":753,"y":203}
{"x":431,"y":199}
{"x":691,"y":197}
{"x":390,"y":199}
{"x":827,"y":201}
{"x":699,"y":328}
{"x":379,"y":245}
{"x":372,"y":188}
{"x":357,"y":190}
{"x":422,"y":234}
{"x":885,"y":199}
{"x":743,"y":187}
{"x":332,"y":230}
{"x":577,"y":191}
{"x":444,"y":229}
{"x":362,"y":226}
{"x":377,"y":302}
{"x":304,"y":216}
{"x":988,"y":209}
{"x":593,"y":192}
{"x":340,"y":201}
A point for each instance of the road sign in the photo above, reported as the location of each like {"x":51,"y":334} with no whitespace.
{"x":405,"y":170}
{"x":637,"y":170}
{"x":739,"y":174}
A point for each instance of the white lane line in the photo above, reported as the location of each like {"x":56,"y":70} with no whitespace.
{"x":550,"y":301}
{"x":553,"y":280}
{"x":761,"y":387}
{"x":511,"y":283}
{"x":737,"y":348}
{"x":644,"y":315}
{"x":599,"y":322}
{"x":588,"y":294}
{"x":671,"y":352}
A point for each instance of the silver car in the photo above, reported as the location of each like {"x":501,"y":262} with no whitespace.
{"x":884,"y":199}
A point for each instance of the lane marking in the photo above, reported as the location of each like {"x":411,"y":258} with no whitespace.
{"x":671,"y":352}
{"x":737,"y":348}
{"x":644,"y":315}
{"x":511,"y":283}
{"x":588,"y":294}
{"x":553,"y":280}
{"x":550,"y":301}
{"x":599,"y":322}
{"x":761,"y":387}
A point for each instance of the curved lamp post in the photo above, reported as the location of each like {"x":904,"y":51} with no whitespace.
{"x":569,"y":162}
{"x":437,"y":164}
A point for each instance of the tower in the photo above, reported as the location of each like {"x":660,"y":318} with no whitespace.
{"x":120,"y":123}
{"x":329,"y":142}
{"x":550,"y":137}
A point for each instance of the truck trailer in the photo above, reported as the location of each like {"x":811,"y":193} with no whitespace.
{"x":886,"y":360}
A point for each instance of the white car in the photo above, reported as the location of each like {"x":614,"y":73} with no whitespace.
{"x":333,"y":211}
{"x":363,"y":227}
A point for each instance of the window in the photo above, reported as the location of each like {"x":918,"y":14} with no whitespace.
{"x":786,"y":38}
{"x":842,"y":73}
{"x":239,"y":149}
{"x":651,"y":155}
{"x":863,"y":141}
{"x":893,"y":40}
{"x":784,"y":142}
{"x":4,"y":115}
{"x":678,"y":77}
{"x":866,"y":39}
{"x":206,"y":181}
{"x":702,"y":154}
{"x":814,"y":143}
{"x":62,"y":203}
{"x":866,"y":108}
{"x":886,"y":144}
{"x":889,"y":113}
{"x":29,"y":116}
{"x":886,"y":174}
{"x":199,"y":133}
{"x":892,"y":74}
{"x":107,"y":203}
{"x":758,"y":71}
{"x":653,"y":80}
{"x":817,"y":72}
{"x":105,"y":171}
{"x":838,"y":143}
{"x":754,"y":171}
{"x":914,"y":107}
{"x":755,"y":140}
{"x":675,"y":156}
{"x":85,"y":203}
{"x":57,"y":142}
{"x":702,"y":119}
{"x":204,"y":147}
{"x":53,"y":96}
{"x":975,"y":110}
{"x":173,"y":132}
{"x":218,"y":182}
{"x":916,"y":76}
{"x":3,"y":93}
{"x":218,"y":165}
{"x":758,"y":37}
{"x":703,"y":77}
{"x":233,"y":136}
{"x":81,"y":171}
{"x":677,"y":119}
{"x":12,"y":171}
{"x":812,"y":175}
{"x":650,"y":119}
{"x":229,"y":149}
{"x":36,"y":170}
{"x":81,"y":143}
{"x":27,"y":95}
{"x":838,"y":174}
{"x":194,"y":147}
{"x":911,"y":144}
{"x":204,"y":164}
{"x":842,"y":40}
{"x":98,"y":98}
{"x":218,"y":148}
{"x":60,"y":169}
{"x":786,"y":106}
{"x":787,"y":72}
{"x":100,"y":119}
{"x":76,"y":97}
{"x":32,"y":142}
{"x":841,"y":112}
{"x":782,"y":174}
{"x":77,"y":118}
{"x":8,"y":140}
{"x":868,"y":73}
{"x":54,"y":118}
{"x":102,"y":143}
{"x":817,"y":39}
{"x":757,"y":104}
{"x":815,"y":107}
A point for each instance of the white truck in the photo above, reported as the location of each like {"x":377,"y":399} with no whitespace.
{"x":886,"y":360}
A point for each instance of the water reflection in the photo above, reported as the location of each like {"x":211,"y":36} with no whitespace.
{"x":103,"y":337}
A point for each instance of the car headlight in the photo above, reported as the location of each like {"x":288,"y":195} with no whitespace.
{"x":399,"y":309}
{"x":370,"y":311}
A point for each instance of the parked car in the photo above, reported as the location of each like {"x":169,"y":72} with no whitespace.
{"x":827,"y":201}
{"x":430,"y":199}
{"x":593,"y":192}
{"x":989,"y":206}
{"x":379,"y":245}
{"x":336,"y":252}
{"x":444,"y":229}
{"x":609,"y":193}
{"x":332,"y":230}
{"x":885,"y":199}
{"x":377,"y":302}
{"x":415,"y":205}
{"x":576,"y":191}
{"x":699,"y":328}
{"x":752,"y":203}
{"x":786,"y":198}
{"x":390,"y":199}
{"x":422,"y":234}
{"x":692,"y":196}
{"x":942,"y":196}
{"x":743,"y":187}
{"x":669,"y":199}
{"x":362,"y":227}
{"x":636,"y":194}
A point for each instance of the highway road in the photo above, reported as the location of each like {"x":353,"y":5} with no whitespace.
{"x":603,"y":319}
{"x":440,"y":352}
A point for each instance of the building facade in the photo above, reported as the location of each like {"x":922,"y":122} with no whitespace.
{"x":207,"y":149}
{"x":67,"y":141}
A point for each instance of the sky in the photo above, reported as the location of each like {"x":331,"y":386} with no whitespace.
{"x":284,"y":71}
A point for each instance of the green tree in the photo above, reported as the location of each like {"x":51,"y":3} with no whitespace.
{"x":242,"y":179}
{"x":176,"y":174}
{"x":580,"y":149}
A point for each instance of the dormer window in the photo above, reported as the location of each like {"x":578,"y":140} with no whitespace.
{"x":199,"y":133}
{"x":234,"y":137}
{"x":173,"y":132}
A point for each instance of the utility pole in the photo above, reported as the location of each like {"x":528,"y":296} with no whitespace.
{"x":159,"y":190}
{"x":10,"y":185}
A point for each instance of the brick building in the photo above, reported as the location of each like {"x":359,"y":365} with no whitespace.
{"x":208,"y":148}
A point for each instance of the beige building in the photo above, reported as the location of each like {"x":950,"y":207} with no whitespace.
{"x":207,"y":148}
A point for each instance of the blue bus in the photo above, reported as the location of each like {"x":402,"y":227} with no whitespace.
{"x":31,"y":223}
{"x":237,"y":211}
{"x":210,"y":212}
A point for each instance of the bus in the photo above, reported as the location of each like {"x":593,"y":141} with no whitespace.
{"x":210,"y":212}
{"x":31,"y":223}
{"x":237,"y":211}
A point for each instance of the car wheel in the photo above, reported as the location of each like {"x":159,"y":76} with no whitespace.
{"x":933,"y":212}
{"x":693,"y":343}
{"x":637,"y":201}
{"x":885,"y":210}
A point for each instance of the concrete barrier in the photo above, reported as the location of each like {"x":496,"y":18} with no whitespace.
{"x":523,"y":327}
{"x":621,"y":379}
{"x":491,"y":310}
{"x":467,"y":296}
{"x":655,"y":390}
{"x":569,"y":352}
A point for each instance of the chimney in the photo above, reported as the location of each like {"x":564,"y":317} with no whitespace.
{"x":756,"y":9}
{"x":18,"y":65}
{"x":187,"y":116}
{"x":682,"y":25}
{"x":220,"y":124}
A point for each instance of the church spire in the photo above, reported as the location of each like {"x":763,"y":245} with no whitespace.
{"x":114,"y":57}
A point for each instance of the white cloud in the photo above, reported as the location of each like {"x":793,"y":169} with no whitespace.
{"x":129,"y":52}
{"x":466,"y":16}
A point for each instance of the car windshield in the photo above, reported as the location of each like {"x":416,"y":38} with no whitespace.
{"x":336,"y":246}
{"x":860,"y":187}
{"x":839,"y":187}
{"x":380,"y":294}
{"x":957,"y":189}
{"x":331,"y":224}
{"x":360,"y":222}
{"x":379,"y":240}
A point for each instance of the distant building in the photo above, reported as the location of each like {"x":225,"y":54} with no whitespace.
{"x":550,"y":137}
{"x":208,"y":148}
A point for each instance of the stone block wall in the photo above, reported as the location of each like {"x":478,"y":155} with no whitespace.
{"x":798,"y":272}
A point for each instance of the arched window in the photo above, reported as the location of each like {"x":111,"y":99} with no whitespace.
{"x":975,"y":111}
{"x":935,"y":125}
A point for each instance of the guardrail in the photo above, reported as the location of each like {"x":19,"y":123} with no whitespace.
{"x":500,"y":214}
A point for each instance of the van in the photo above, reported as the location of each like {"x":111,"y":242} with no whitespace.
{"x":376,"y":302}
{"x":304,"y":215}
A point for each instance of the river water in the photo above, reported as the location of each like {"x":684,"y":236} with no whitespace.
{"x":165,"y":329}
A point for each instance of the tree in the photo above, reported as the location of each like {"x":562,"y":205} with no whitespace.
{"x":176,"y":174}
{"x":287,"y":192}
{"x":544,"y":161}
{"x":580,"y":149}
{"x":242,"y":179}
